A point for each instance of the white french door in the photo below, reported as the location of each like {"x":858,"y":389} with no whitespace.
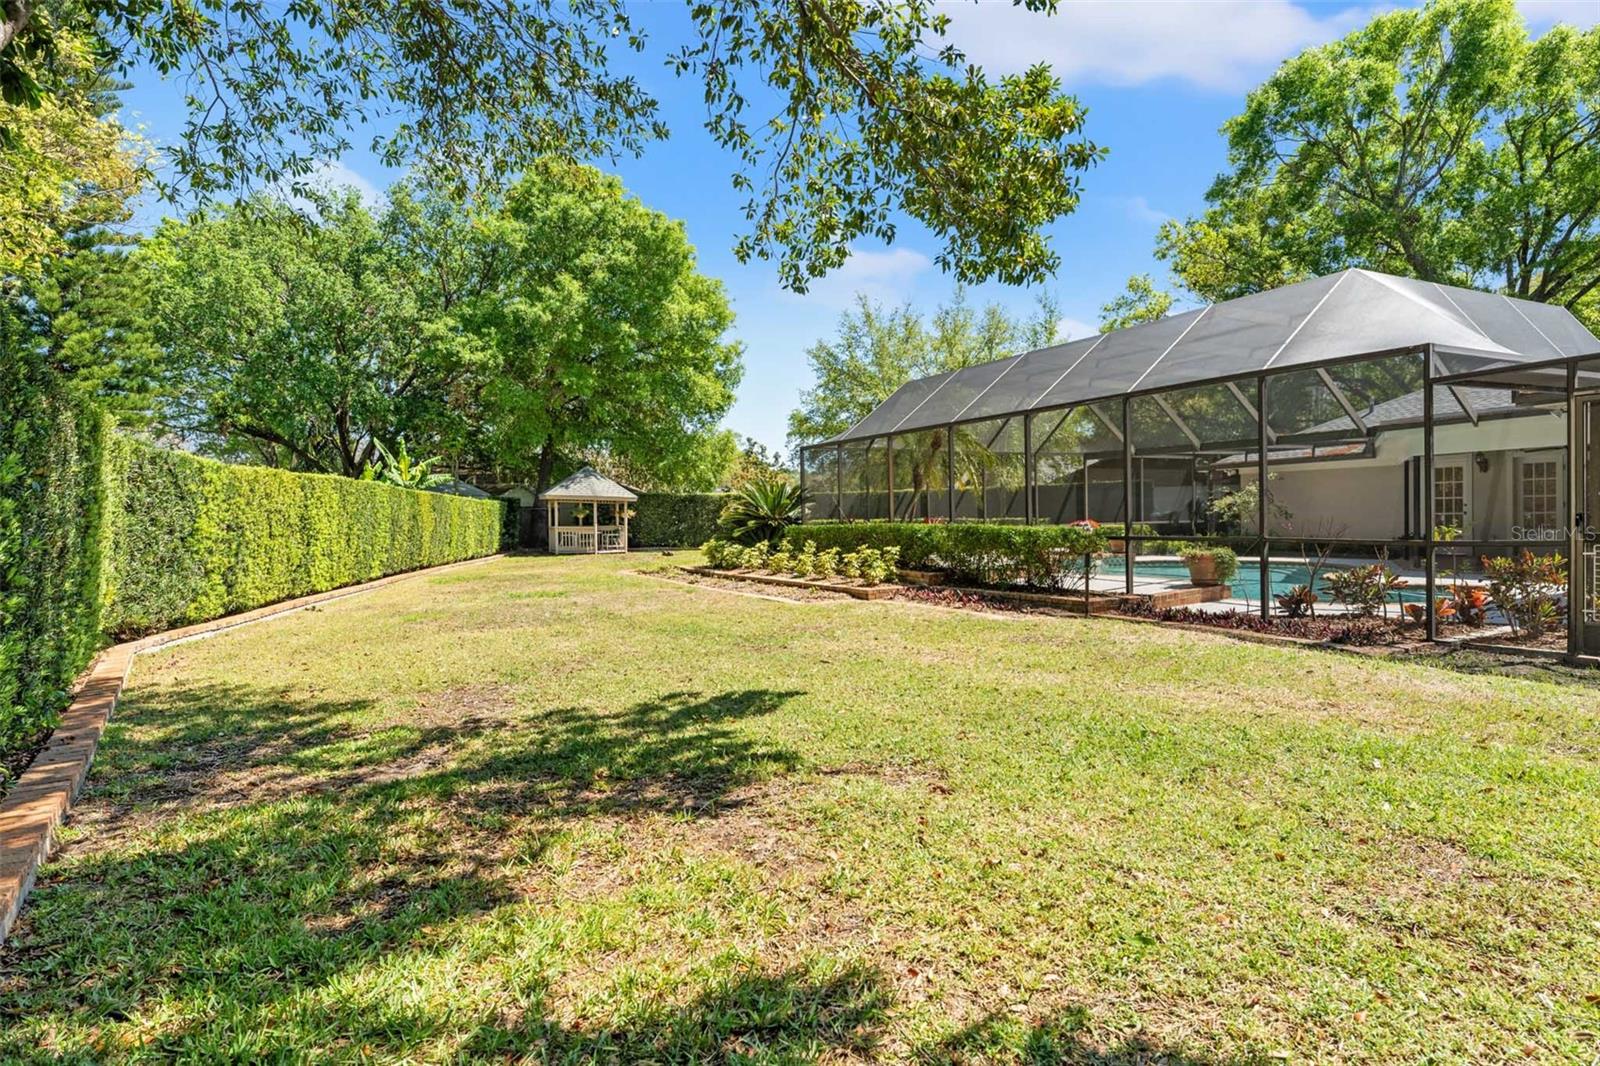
{"x":1452,"y":495}
{"x":1539,"y":496}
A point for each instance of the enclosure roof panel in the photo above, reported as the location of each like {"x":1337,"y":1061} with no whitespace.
{"x":1307,"y":324}
{"x":587,"y":484}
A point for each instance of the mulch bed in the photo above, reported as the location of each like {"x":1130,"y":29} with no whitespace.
{"x":1328,"y":629}
{"x":796,"y":593}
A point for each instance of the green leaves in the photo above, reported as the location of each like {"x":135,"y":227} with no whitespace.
{"x":306,"y":343}
{"x":759,"y":512}
{"x":1439,"y":143}
{"x":877,"y":350}
{"x":602,"y":334}
{"x":876,"y":112}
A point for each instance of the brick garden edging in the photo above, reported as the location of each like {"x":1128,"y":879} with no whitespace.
{"x":43,"y":795}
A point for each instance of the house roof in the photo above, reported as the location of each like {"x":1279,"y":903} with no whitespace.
{"x":587,"y":484}
{"x":457,"y":487}
{"x":1311,"y":323}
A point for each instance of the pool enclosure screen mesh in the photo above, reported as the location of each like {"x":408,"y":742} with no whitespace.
{"x":1330,"y":392}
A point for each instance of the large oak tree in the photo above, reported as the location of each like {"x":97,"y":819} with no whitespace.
{"x":597,"y":334}
{"x":306,"y":344}
{"x":837,"y":113}
{"x":1437,"y":142}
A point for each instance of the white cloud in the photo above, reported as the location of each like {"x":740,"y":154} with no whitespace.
{"x":331,"y":177}
{"x":1073,"y":329}
{"x":1225,"y":45}
{"x":1139,"y":210}
{"x":1541,"y":14}
{"x":886,"y":277}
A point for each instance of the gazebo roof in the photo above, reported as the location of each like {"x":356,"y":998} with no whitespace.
{"x":587,"y":484}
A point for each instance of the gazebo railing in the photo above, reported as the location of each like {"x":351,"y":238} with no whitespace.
{"x":585,"y":539}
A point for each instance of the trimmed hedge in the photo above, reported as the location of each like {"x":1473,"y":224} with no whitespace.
{"x":674,"y":520}
{"x":194,"y":539}
{"x":986,"y":553}
{"x":51,"y":546}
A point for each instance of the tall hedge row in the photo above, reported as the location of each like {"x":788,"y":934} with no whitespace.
{"x":673,"y":520}
{"x":52,"y":540}
{"x":101,"y":534}
{"x":194,"y":539}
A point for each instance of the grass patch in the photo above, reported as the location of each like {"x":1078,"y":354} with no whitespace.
{"x":563,"y":812}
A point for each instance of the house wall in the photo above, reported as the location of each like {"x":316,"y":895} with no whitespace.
{"x":523,"y":495}
{"x":1365,"y":498}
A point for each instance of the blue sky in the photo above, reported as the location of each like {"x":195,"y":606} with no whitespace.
{"x":1158,"y":78}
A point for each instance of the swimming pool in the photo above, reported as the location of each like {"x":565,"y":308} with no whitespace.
{"x":1247,"y":582}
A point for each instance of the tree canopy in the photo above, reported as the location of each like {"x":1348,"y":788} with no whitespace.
{"x":65,"y":166}
{"x":598,"y":332}
{"x":1140,"y":302}
{"x":300,"y":345}
{"x":877,"y":349}
{"x":1438,"y":142}
{"x":837,"y":113}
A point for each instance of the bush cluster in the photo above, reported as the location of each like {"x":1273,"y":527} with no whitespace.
{"x":866,"y":564}
{"x":673,"y":520}
{"x":984,"y":553}
{"x":192,"y":538}
{"x":52,"y":531}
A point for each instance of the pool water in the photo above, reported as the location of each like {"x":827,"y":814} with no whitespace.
{"x":1247,"y":582}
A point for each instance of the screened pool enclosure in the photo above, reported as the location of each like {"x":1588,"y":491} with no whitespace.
{"x":1388,"y":418}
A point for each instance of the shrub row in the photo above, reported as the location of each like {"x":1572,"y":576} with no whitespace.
{"x":194,"y":539}
{"x":672,"y":520}
{"x":1045,"y":556}
{"x":51,"y":546}
{"x":101,"y":534}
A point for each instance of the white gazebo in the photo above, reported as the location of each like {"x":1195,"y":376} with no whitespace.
{"x":574,"y":508}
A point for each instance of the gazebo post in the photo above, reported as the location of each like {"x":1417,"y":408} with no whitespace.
{"x":594,"y":523}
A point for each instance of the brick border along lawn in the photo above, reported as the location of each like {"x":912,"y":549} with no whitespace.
{"x":557,"y":811}
{"x":31,"y":809}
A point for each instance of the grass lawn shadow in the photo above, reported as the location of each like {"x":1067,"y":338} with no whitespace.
{"x":242,"y":853}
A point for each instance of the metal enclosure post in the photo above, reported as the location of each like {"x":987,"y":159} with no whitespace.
{"x":1029,"y":506}
{"x":1428,"y":517}
{"x":950,"y":473}
{"x":1127,"y":497}
{"x":1264,"y":563}
{"x":838,"y":480}
{"x":1577,"y":456}
{"x":888,"y":442}
{"x":801,"y":452}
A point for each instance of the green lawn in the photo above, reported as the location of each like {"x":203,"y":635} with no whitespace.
{"x":552,"y":810}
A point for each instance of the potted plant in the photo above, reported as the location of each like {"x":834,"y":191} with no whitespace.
{"x":1209,"y":565}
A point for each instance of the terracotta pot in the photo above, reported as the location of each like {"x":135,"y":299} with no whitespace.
{"x":1202,"y":570}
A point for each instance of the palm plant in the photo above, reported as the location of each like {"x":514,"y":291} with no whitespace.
{"x":760,"y":511}
{"x":399,"y":468}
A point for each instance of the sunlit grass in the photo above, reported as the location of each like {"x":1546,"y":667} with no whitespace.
{"x":556,"y":810}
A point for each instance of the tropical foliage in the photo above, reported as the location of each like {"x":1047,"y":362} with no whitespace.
{"x":761,"y":511}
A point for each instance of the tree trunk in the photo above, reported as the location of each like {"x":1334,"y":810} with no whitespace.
{"x":14,"y":18}
{"x":541,"y":516}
